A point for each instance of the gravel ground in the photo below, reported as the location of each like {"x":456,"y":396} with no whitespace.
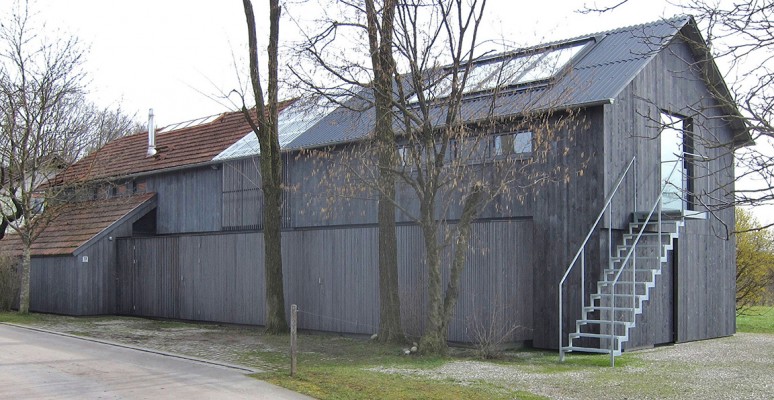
{"x":738,"y":367}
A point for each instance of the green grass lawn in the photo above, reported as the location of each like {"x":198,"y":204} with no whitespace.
{"x":16,"y":318}
{"x":344,"y":368}
{"x":756,"y":320}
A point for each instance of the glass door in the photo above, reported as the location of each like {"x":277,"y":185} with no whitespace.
{"x":673,"y":176}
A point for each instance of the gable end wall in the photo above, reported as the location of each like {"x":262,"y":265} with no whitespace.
{"x":703,"y":279}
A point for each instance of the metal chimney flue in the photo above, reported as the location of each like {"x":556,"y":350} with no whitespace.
{"x":151,"y":135}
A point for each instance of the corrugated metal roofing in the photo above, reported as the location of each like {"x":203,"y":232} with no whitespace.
{"x":597,"y":75}
{"x":348,"y":123}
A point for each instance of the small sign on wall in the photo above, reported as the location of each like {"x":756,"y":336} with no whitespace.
{"x":85,"y":259}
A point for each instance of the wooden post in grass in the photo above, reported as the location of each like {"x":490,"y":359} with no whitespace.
{"x":293,"y":338}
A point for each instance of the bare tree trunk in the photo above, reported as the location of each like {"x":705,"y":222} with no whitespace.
{"x":441,"y":307}
{"x":272,"y":239}
{"x":380,"y":45}
{"x":390,"y":329}
{"x":266,"y":130}
{"x":469,"y":210}
{"x":433,"y":340}
{"x":24,"y":289}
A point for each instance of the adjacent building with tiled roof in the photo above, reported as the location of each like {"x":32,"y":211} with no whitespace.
{"x":180,"y":145}
{"x":78,"y":224}
{"x":186,"y":240}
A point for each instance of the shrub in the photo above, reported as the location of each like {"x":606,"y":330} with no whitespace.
{"x":491,"y":331}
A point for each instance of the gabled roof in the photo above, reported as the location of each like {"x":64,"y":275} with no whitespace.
{"x":594,"y":76}
{"x":603,"y":65}
{"x":179,"y":145}
{"x":76,"y":224}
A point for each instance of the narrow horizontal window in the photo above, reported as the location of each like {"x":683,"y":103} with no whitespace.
{"x":519,"y":143}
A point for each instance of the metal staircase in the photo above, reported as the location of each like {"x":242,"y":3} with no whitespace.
{"x":613,"y":308}
{"x":633,"y":264}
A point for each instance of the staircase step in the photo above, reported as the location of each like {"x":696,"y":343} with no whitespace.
{"x":666,"y":238}
{"x":640,"y":246}
{"x":606,"y":308}
{"x":628,"y":271}
{"x":621,"y":300}
{"x":648,"y":273}
{"x":578,"y":335}
{"x":622,"y":314}
{"x":665,"y":230}
{"x":604,"y":287}
{"x":616,"y":259}
{"x":606,"y":295}
{"x":590,"y":350}
{"x":666,"y":216}
{"x":601,"y":322}
{"x":608,"y":283}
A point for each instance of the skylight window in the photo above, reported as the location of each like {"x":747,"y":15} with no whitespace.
{"x":293,"y":121}
{"x":522,"y":69}
{"x":188,"y":124}
{"x":549,"y":64}
{"x":299,"y":117}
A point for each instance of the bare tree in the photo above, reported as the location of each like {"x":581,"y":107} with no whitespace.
{"x":372,"y":87}
{"x":41,"y":81}
{"x":739,"y":35}
{"x":105,"y":124}
{"x":264,"y":124}
{"x":46,"y":124}
{"x":448,"y":165}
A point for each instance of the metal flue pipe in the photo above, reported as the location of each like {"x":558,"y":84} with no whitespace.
{"x":151,"y":135}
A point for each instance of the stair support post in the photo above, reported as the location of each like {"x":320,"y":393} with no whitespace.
{"x":610,"y":234}
{"x":560,"y":328}
{"x":634,"y":278}
{"x":612,"y":324}
{"x":583,"y":280}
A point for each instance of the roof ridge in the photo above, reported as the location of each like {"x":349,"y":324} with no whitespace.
{"x":683,"y":18}
{"x":678,"y":21}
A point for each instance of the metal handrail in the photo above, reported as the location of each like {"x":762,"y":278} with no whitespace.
{"x":581,"y":251}
{"x":632,"y":249}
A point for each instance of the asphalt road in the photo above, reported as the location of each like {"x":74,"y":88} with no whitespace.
{"x":40,"y":365}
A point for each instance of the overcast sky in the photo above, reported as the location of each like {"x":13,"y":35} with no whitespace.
{"x":174,"y":55}
{"x":177,"y":56}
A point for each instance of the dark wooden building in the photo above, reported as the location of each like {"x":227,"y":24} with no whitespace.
{"x":185,"y":237}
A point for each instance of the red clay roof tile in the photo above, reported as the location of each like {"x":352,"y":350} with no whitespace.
{"x":75,"y":224}
{"x":176,"y":148}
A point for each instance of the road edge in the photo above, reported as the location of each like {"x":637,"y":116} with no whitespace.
{"x":242,"y":368}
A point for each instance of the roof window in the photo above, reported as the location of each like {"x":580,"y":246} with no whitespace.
{"x":524,"y":68}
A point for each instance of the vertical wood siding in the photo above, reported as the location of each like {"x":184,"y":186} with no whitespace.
{"x":694,"y":297}
{"x":188,"y":201}
{"x":243,"y":197}
{"x":67,"y":285}
{"x":54,"y":283}
{"x":331,"y":274}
